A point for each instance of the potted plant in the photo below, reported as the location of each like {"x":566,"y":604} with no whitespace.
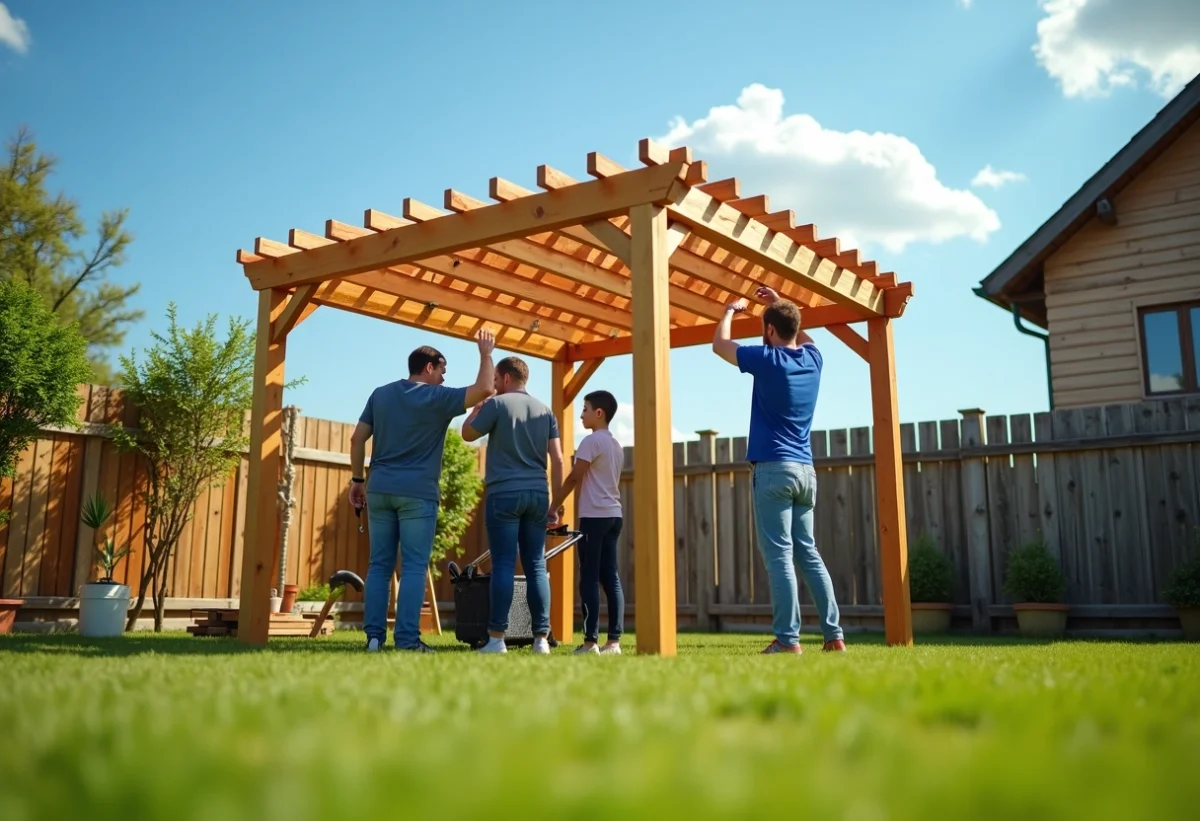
{"x":931,"y":586}
{"x":103,"y":603}
{"x":1036,"y":583}
{"x":1183,"y":593}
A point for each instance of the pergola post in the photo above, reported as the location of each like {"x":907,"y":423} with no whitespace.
{"x":562,"y":567}
{"x":654,"y":512}
{"x":265,"y":458}
{"x":889,"y":484}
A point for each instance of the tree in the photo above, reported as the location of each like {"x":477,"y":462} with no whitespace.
{"x":39,"y":236}
{"x":461,"y":487}
{"x":193,"y":392}
{"x":42,"y":364}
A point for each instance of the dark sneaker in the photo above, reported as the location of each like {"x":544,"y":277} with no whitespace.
{"x":420,"y":647}
{"x":778,"y":647}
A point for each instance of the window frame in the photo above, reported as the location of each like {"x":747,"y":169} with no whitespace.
{"x":1182,"y":310}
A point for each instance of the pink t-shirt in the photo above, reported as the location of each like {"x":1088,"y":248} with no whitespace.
{"x":599,"y":494}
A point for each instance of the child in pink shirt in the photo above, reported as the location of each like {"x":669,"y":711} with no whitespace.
{"x":599,"y":460}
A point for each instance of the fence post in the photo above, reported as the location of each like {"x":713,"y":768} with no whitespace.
{"x":702,"y":525}
{"x":976,"y":521}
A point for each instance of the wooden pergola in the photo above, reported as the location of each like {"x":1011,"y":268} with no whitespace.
{"x":633,"y":261}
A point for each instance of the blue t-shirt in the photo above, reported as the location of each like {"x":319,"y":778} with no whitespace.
{"x":786,"y":382}
{"x":409,"y":421}
{"x":519,"y":429}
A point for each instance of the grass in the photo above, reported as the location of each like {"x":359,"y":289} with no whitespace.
{"x":176,"y":727}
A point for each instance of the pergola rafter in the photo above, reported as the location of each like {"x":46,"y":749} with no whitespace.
{"x":631,"y":261}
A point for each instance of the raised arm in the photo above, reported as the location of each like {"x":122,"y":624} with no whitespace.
{"x":483,"y":387}
{"x":723,"y":344}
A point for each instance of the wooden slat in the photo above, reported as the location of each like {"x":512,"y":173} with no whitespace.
{"x":701,"y":526}
{"x":580,"y":379}
{"x":1127,"y":494}
{"x":726,"y":524}
{"x":975,"y":522}
{"x":295,"y":310}
{"x":852,"y":338}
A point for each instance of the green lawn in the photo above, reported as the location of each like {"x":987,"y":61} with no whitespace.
{"x":175,"y":727}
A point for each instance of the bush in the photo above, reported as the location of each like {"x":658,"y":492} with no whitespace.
{"x":1184,"y":589}
{"x":461,"y":487}
{"x":930,"y":572}
{"x":314,"y":592}
{"x":42,"y":364}
{"x":1034,"y":575}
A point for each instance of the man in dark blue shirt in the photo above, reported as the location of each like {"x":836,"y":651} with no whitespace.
{"x":408,"y":421}
{"x":787,"y":378}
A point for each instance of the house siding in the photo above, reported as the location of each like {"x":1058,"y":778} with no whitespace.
{"x":1095,"y":283}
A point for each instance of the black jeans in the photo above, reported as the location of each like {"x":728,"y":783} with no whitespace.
{"x":598,"y":568}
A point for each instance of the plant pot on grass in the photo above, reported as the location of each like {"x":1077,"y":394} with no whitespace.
{"x":1183,"y":593}
{"x":8,"y":613}
{"x":103,"y":603}
{"x":931,"y":587}
{"x":1036,"y":584}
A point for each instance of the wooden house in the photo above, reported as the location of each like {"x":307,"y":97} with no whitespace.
{"x":1113,"y":278}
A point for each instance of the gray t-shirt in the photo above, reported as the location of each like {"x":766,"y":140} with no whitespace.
{"x":409,"y":422}
{"x":519,"y":429}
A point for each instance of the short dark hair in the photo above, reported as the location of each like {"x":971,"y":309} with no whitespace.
{"x":422,"y":356}
{"x":515,"y":367}
{"x":603,"y":401}
{"x":784,"y":317}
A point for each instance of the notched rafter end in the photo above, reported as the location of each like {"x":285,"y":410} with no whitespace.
{"x":651,"y":153}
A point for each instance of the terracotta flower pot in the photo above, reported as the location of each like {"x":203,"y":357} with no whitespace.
{"x":931,"y":617}
{"x":1189,"y":618}
{"x":8,"y":613}
{"x":1041,"y":620}
{"x":290,"y":591}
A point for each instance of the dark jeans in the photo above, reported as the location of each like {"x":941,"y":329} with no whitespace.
{"x":598,"y":568}
{"x":516,"y":522}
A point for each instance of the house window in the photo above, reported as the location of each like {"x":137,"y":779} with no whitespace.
{"x":1171,"y":348}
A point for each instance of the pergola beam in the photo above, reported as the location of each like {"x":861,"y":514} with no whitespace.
{"x":295,"y":311}
{"x":493,"y":223}
{"x":580,"y":378}
{"x":852,"y":338}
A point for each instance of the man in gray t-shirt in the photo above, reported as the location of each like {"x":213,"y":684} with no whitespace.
{"x":408,"y":421}
{"x":521,"y":433}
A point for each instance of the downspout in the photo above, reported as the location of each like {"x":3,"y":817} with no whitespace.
{"x":1016,"y":312}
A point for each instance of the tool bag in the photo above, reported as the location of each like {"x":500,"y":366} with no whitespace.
{"x":472,"y":597}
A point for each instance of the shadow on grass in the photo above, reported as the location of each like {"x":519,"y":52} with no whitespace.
{"x":181,"y":644}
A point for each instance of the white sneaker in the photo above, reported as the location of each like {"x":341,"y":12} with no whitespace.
{"x":587,"y":649}
{"x":615,"y":650}
{"x":494,"y":646}
{"x":373,"y":645}
{"x":541,"y":646}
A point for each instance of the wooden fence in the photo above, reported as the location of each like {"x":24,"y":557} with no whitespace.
{"x":1114,"y":491}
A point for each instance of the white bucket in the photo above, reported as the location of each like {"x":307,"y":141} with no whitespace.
{"x":103,"y":609}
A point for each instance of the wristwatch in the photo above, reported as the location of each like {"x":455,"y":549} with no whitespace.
{"x":357,"y":480}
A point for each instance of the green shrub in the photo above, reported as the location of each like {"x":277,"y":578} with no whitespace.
{"x":1184,"y":589}
{"x":461,"y":487}
{"x":930,"y":572}
{"x":1034,"y":575}
{"x":314,"y":592}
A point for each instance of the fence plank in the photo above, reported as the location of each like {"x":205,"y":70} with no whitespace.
{"x":35,"y":539}
{"x":838,"y":560}
{"x":975,"y":520}
{"x":685,"y":565}
{"x":745,"y":544}
{"x":1025,"y":490}
{"x":701,"y":532}
{"x":1001,"y":509}
{"x":1067,"y":423}
{"x":953,"y":525}
{"x":1047,"y":485}
{"x":6,"y":498}
{"x":1127,"y":494}
{"x":726,"y":572}
{"x":1096,"y":506}
{"x":928,"y":492}
{"x":1180,"y":486}
{"x":838,"y":511}
{"x":866,"y":531}
{"x":18,"y":527}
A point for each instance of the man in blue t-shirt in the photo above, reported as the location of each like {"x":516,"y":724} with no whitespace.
{"x":408,"y":421}
{"x":787,"y":377}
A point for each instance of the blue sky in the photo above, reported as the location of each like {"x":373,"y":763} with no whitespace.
{"x":215,"y":123}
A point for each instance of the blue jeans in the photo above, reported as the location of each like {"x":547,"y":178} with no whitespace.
{"x":411,"y":523}
{"x":598,"y":568}
{"x":516,"y":521}
{"x":784,"y":496}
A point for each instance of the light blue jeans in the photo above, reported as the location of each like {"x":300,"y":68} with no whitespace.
{"x":516,"y":524}
{"x":410,"y":524}
{"x":784,"y":496}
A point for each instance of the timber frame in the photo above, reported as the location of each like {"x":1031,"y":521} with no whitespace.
{"x":632,"y":261}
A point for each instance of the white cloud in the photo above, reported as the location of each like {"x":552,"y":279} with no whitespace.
{"x":14,"y":33}
{"x":990,"y":178}
{"x":1093,"y":46}
{"x":862,"y":188}
{"x":622,"y":426}
{"x":966,"y":4}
